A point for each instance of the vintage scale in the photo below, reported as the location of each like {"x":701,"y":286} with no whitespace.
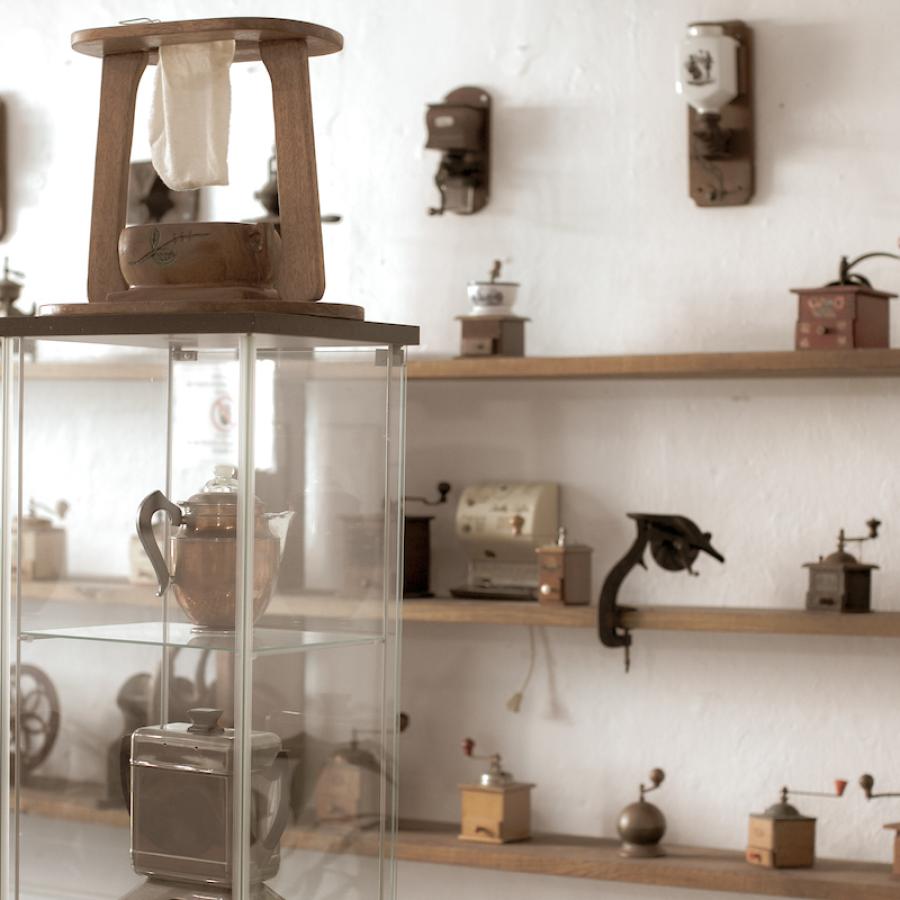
{"x":208,"y":795}
{"x":284,"y":47}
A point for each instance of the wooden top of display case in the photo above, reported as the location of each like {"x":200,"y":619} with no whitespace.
{"x":174,"y":325}
{"x":247,"y":33}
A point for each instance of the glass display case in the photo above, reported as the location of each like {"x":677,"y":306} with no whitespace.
{"x":200,"y":558}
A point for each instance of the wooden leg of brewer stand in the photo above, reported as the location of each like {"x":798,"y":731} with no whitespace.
{"x":302,"y":273}
{"x":118,"y":90}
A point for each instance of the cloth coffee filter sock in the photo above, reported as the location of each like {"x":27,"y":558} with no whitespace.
{"x":189,"y":119}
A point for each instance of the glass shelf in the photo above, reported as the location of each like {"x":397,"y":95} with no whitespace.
{"x":266,"y":641}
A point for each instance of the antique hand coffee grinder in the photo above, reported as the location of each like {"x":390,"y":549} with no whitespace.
{"x":10,"y":289}
{"x":867,"y":783}
{"x":497,"y":810}
{"x":846,"y":314}
{"x":675,"y":543}
{"x":564,"y":572}
{"x":642,"y":825}
{"x":840,"y":582}
{"x":347,"y":787}
{"x":783,"y":838}
{"x":417,"y":545}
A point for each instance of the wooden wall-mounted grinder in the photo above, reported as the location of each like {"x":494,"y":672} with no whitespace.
{"x":459,"y":127}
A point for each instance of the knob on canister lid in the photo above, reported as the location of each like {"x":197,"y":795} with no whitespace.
{"x":205,"y":720}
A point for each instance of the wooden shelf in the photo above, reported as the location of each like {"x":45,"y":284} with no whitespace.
{"x":773,"y":364}
{"x":749,"y":620}
{"x":769,"y":364}
{"x":562,"y":855}
{"x":498,"y":612}
{"x":450,"y":611}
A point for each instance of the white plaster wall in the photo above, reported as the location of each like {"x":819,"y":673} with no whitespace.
{"x":590,"y":208}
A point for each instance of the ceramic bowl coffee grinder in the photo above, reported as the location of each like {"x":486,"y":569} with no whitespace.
{"x":782,"y":837}
{"x":497,"y":810}
{"x":642,"y":825}
{"x":492,"y":328}
{"x":867,"y":783}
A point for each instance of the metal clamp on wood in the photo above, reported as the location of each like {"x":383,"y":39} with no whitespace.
{"x":675,"y":542}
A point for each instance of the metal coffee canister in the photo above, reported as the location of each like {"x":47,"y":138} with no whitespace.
{"x":182,"y":786}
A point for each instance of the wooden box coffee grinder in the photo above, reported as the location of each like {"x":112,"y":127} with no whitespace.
{"x":867,"y":782}
{"x":497,"y":810}
{"x":783,"y":838}
{"x":846,"y":314}
{"x":840,"y":582}
{"x":564,"y":573}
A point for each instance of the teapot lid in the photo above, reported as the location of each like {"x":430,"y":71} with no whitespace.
{"x":220,"y":493}
{"x":224,"y":481}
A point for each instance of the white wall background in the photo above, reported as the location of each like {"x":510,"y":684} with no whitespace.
{"x":590,"y":208}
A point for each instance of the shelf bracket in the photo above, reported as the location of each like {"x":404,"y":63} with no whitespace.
{"x":675,"y":542}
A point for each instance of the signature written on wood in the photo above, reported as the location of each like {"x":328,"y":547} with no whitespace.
{"x":163,"y":252}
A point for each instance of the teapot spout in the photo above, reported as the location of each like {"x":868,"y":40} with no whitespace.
{"x":279,"y":523}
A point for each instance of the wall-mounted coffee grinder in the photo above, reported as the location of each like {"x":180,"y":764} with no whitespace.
{"x":460,"y":128}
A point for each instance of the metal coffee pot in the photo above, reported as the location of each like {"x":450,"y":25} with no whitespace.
{"x":203,"y":550}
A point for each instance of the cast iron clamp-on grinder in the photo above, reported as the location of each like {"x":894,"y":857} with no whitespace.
{"x":675,"y":542}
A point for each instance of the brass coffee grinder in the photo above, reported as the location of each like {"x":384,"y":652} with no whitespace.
{"x":497,"y":810}
{"x":782,"y":837}
{"x":867,"y":783}
{"x":642,"y":825}
{"x":840,"y":582}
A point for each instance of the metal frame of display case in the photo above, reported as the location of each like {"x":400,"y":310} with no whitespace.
{"x":254,"y":335}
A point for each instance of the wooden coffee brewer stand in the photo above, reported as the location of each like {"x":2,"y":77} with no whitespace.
{"x":284,"y":47}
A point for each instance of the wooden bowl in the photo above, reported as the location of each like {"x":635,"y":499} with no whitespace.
{"x":201,"y":254}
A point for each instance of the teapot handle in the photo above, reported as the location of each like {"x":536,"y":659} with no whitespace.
{"x":150,"y":505}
